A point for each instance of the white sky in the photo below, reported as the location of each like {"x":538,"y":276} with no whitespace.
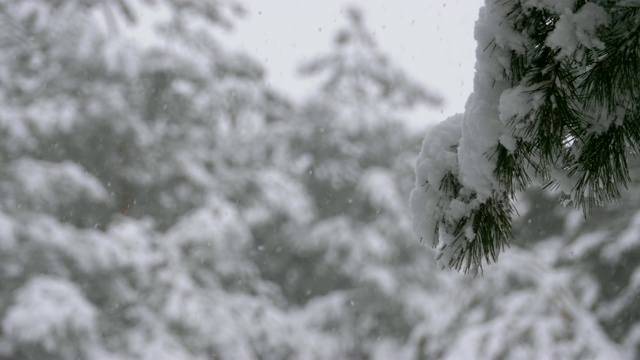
{"x":431,"y":39}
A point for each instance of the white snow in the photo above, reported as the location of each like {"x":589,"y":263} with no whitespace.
{"x":437,"y":157}
{"x":48,"y":309}
{"x":573,"y":30}
{"x":380,"y":187}
{"x":46,"y":183}
{"x":495,"y":114}
{"x":626,"y":241}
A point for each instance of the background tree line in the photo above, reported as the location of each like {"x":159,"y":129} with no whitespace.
{"x":165,"y":202}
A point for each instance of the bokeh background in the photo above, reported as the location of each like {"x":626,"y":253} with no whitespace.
{"x":230,"y":180}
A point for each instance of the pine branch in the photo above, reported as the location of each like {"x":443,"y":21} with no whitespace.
{"x":582,"y":118}
{"x":490,"y":224}
{"x":615,"y":77}
{"x":510,"y":168}
{"x":601,"y":169}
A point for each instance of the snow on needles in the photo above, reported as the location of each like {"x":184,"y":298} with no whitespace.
{"x":455,"y":171}
{"x":437,"y":158}
{"x":458,"y":147}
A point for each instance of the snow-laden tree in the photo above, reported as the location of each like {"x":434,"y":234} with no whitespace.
{"x":600,"y":254}
{"x":133,"y":177}
{"x":357,"y":75}
{"x":554,"y":104}
{"x":350,"y":270}
{"x":158,"y":200}
{"x":565,"y":289}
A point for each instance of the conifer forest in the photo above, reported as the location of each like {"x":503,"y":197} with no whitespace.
{"x":160,"y":199}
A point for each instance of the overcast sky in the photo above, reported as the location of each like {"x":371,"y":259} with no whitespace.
{"x":431,"y":39}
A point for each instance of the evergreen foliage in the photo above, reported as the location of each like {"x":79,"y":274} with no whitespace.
{"x":126,"y":222}
{"x":158,"y":200}
{"x":563,"y":78}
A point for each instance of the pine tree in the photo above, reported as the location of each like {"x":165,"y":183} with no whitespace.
{"x":351,"y":270}
{"x":554,"y":105}
{"x":133,"y":178}
{"x":602,"y":254}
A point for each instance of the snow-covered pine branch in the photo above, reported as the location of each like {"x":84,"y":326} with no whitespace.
{"x":553,"y":105}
